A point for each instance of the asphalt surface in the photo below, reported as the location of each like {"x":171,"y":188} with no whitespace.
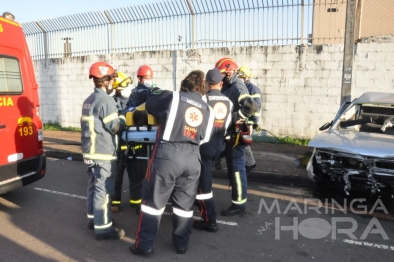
{"x":45,"y":221}
{"x":276,"y":163}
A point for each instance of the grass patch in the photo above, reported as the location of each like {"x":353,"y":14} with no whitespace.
{"x":282,"y":140}
{"x":57,"y":127}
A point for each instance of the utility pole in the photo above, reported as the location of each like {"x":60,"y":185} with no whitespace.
{"x":348,"y":52}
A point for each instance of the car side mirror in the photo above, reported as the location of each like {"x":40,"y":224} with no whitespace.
{"x":325,"y":126}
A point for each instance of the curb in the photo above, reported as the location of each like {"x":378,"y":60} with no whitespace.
{"x":254,"y":176}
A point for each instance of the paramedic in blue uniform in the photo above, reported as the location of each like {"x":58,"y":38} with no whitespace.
{"x":245,"y":74}
{"x":244,"y":107}
{"x":122,"y":93}
{"x":222,"y":108}
{"x":185,"y":122}
{"x":100,"y":124}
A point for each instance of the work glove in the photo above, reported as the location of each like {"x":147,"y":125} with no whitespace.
{"x":257,"y":127}
{"x":387,"y":123}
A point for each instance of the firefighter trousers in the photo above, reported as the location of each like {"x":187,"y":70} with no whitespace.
{"x":173,"y":171}
{"x":209,"y":153}
{"x":100,"y":188}
{"x":136,"y":170}
{"x":235,"y":158}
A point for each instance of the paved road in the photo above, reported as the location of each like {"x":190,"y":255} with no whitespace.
{"x":46,"y":222}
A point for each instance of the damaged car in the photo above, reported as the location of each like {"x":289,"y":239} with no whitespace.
{"x":356,"y":149}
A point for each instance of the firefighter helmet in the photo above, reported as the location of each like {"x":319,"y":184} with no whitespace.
{"x":145,"y":70}
{"x":244,"y":72}
{"x":226,"y":64}
{"x":101,"y":69}
{"x":122,"y":81}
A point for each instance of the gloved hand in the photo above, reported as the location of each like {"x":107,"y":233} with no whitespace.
{"x":387,"y":123}
{"x":257,"y":127}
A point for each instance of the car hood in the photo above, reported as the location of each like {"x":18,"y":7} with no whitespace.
{"x":366,"y":144}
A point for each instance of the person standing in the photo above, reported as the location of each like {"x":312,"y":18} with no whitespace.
{"x":245,"y":74}
{"x":100,"y":124}
{"x":222,"y":108}
{"x":244,"y":107}
{"x":122,"y":93}
{"x":185,"y":122}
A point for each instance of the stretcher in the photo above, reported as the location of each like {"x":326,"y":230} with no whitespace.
{"x":141,"y":130}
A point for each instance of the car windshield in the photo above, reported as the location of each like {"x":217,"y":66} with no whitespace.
{"x":370,"y":118}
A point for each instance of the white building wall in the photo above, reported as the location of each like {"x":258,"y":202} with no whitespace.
{"x":300,"y":85}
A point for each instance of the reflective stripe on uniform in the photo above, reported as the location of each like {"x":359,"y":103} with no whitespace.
{"x":90,"y":216}
{"x":204,"y":196}
{"x":90,"y":120}
{"x":99,"y":157}
{"x":209,"y":127}
{"x":243,"y":201}
{"x":103,"y":226}
{"x":256,"y":114}
{"x":152,"y":211}
{"x":255,"y":96}
{"x":110,"y":118}
{"x":105,"y":209}
{"x":239,"y":186}
{"x":115,"y":202}
{"x":122,"y":117}
{"x":182,"y":213}
{"x":171,"y":117}
{"x":243,"y":96}
{"x":138,"y":201}
{"x":240,"y":113}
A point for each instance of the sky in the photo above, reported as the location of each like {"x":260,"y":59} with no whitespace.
{"x":34,"y":10}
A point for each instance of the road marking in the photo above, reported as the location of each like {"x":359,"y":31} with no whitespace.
{"x":367,"y":244}
{"x":311,"y":203}
{"x":228,"y":223}
{"x":60,"y":193}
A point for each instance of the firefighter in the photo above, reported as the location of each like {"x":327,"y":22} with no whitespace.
{"x":185,"y":122}
{"x":245,"y":74}
{"x":222,"y":107}
{"x":100,"y":124}
{"x":144,"y":76}
{"x":137,"y":167}
{"x":243,"y":107}
{"x":123,"y":90}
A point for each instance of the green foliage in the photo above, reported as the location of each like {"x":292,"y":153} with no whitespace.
{"x":57,"y":127}
{"x":281,"y":140}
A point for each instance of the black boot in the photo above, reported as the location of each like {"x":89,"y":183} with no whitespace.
{"x":203,"y":225}
{"x":233,"y":210}
{"x":112,"y":235}
{"x":140,"y":252}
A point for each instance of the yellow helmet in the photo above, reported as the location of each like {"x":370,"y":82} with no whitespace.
{"x":122,"y":81}
{"x":244,"y":72}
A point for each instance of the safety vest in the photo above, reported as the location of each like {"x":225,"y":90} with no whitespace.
{"x":222,"y":108}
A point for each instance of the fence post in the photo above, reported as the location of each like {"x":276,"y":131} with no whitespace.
{"x":45,"y":42}
{"x":112,"y":31}
{"x":348,"y":52}
{"x":302,"y":23}
{"x":192,"y":26}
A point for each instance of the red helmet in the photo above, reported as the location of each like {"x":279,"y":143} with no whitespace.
{"x":101,"y":69}
{"x":226,"y":64}
{"x":145,"y":70}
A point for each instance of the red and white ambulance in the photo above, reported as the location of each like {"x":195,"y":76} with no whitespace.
{"x":22,"y":159}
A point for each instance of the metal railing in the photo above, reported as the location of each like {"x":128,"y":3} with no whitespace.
{"x":182,"y":24}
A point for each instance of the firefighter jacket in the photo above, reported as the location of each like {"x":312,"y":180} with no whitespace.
{"x":121,"y":102}
{"x":100,"y":124}
{"x":183,"y":116}
{"x":255,"y":94}
{"x":243,"y":104}
{"x":138,"y":95}
{"x":222,"y":108}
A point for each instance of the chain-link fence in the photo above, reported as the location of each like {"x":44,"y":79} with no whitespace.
{"x":184,"y":24}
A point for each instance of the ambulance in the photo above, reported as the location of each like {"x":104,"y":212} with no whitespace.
{"x":22,"y":158}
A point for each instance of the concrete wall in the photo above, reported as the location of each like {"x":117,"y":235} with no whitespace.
{"x":300,"y":85}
